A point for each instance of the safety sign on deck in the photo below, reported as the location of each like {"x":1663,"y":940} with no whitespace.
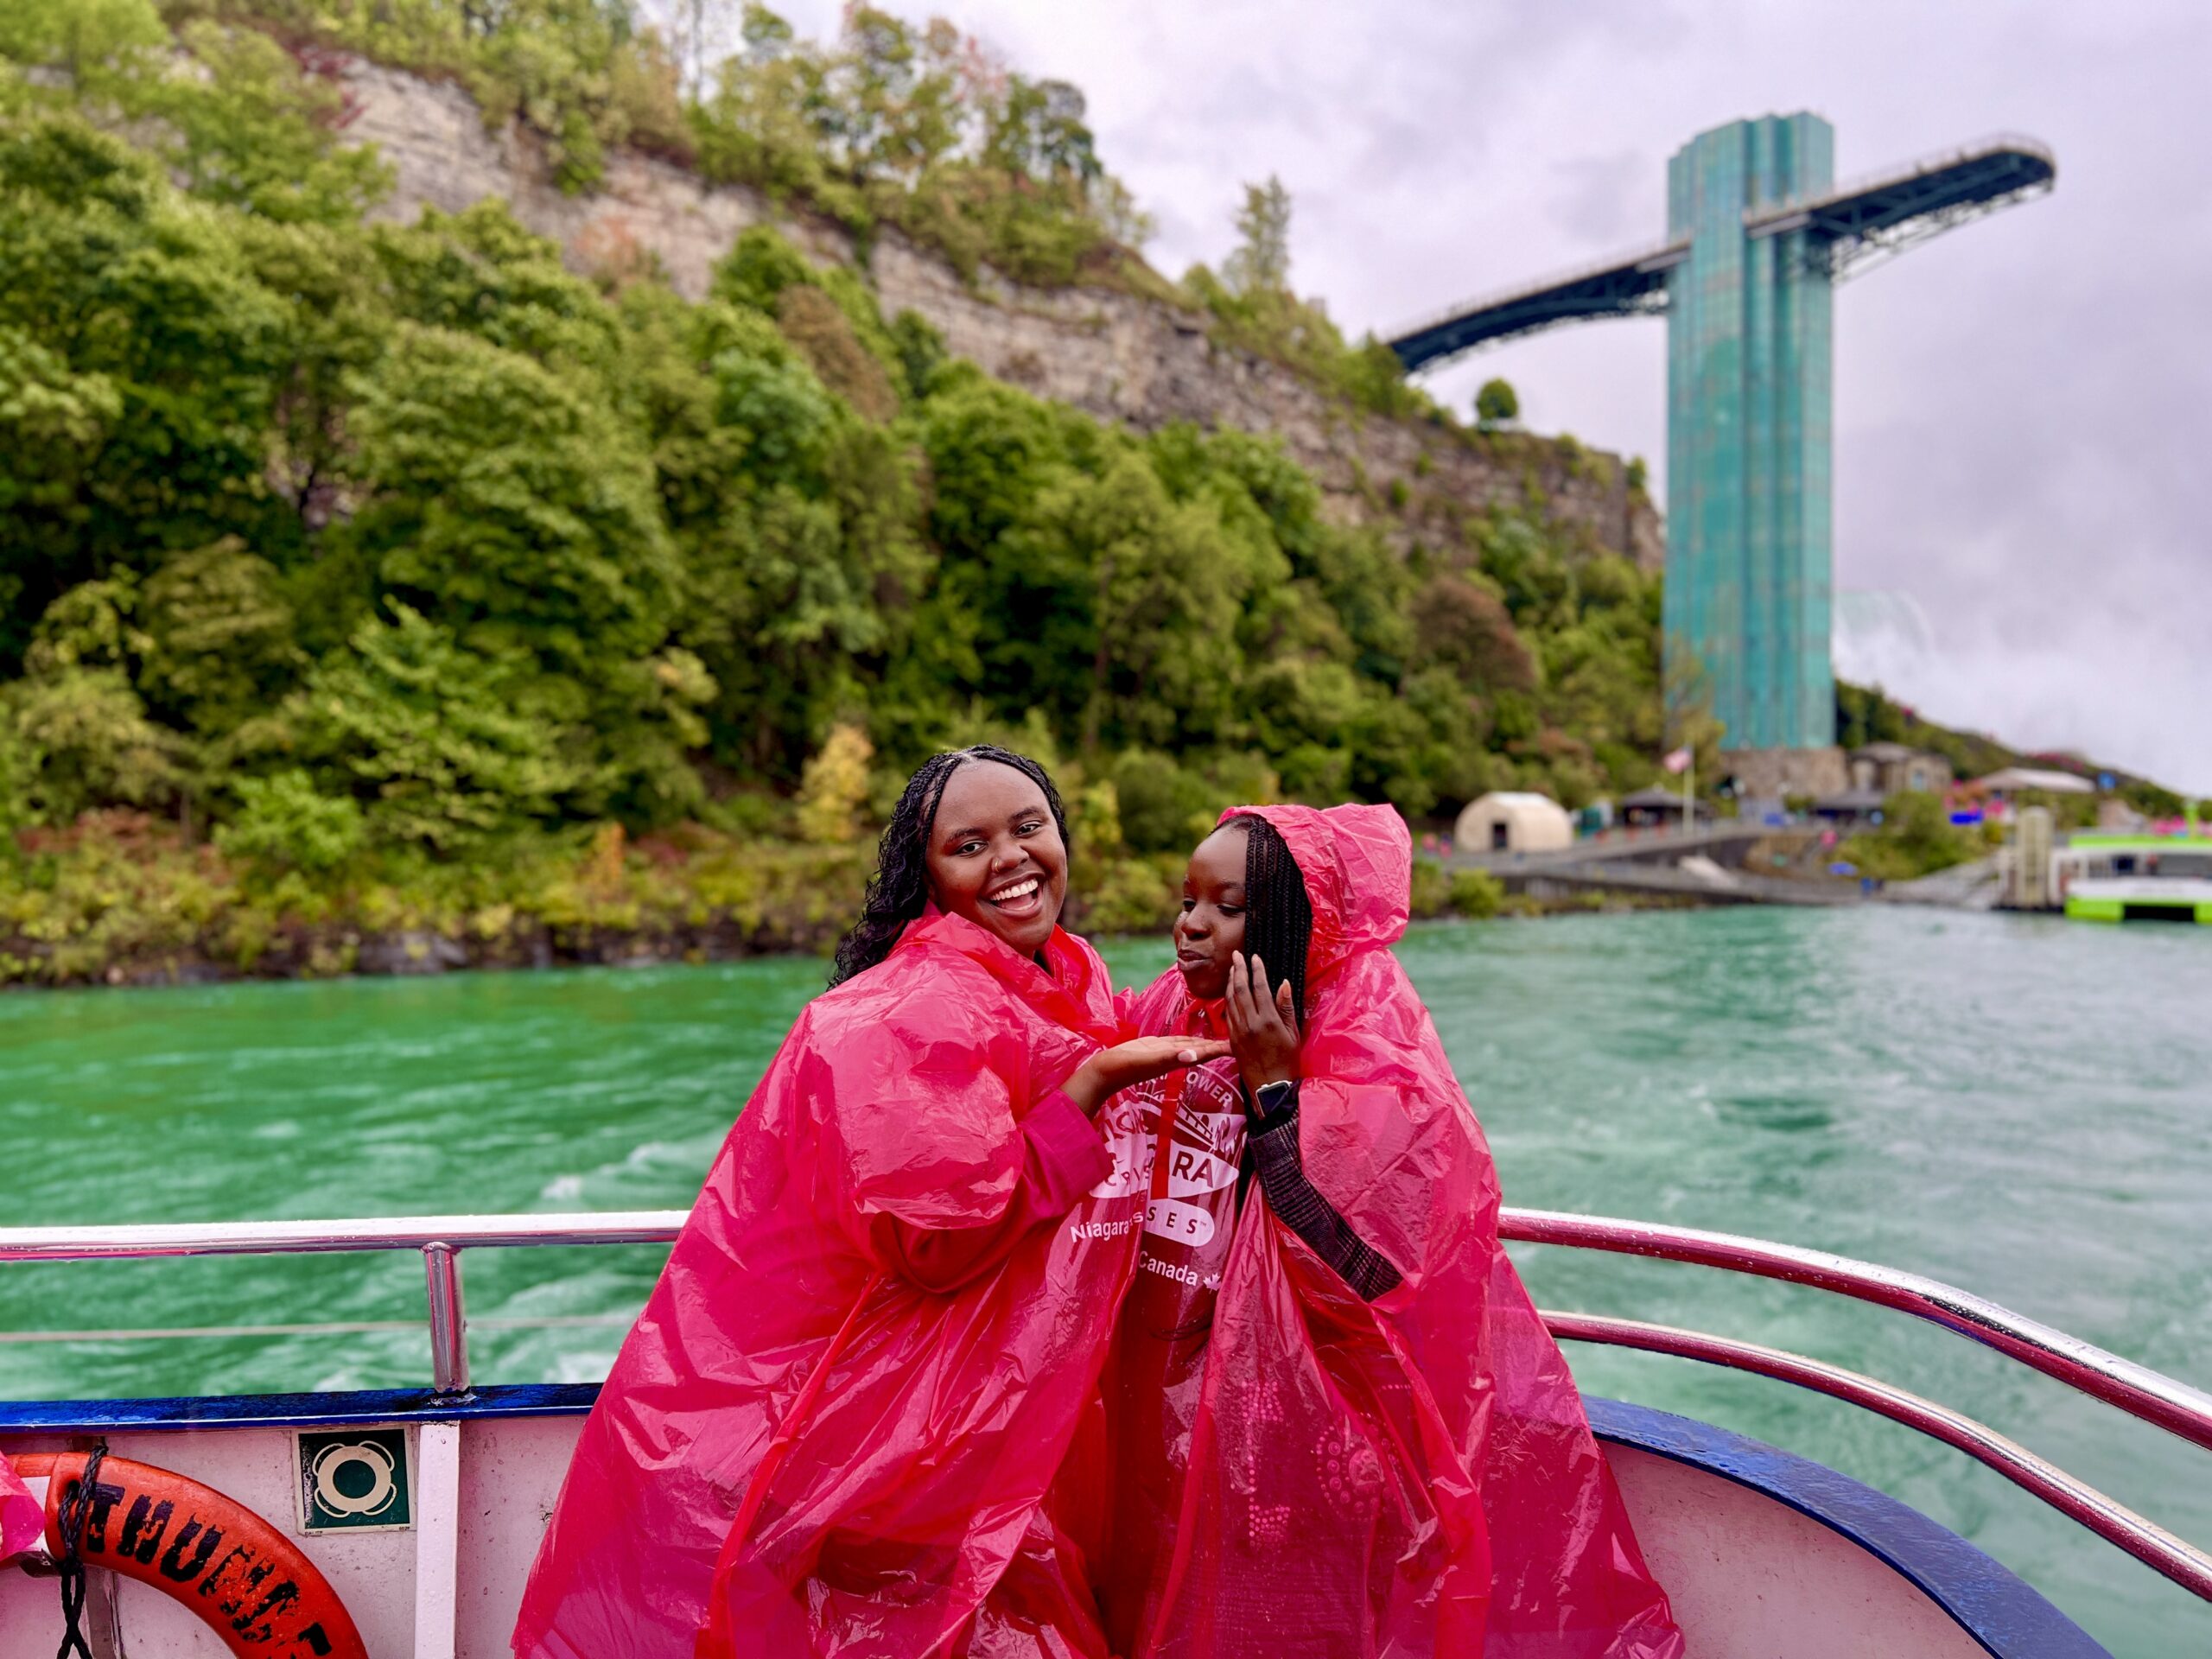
{"x":355,"y":1479}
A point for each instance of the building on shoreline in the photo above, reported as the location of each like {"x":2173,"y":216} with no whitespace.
{"x":1891,"y":768}
{"x":1513,"y":821}
{"x":1657,"y":804}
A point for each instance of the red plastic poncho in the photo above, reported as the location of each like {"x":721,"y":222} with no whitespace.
{"x":1421,"y":1466}
{"x":23,"y":1517}
{"x":836,"y":1421}
{"x":1179,"y":1140}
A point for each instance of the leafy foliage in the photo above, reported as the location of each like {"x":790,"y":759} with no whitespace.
{"x":1496,"y":403}
{"x":285,"y":822}
{"x":1916,"y":838}
{"x":1867,"y":714}
{"x":1261,"y":262}
{"x":835,"y":786}
{"x":341,"y":558}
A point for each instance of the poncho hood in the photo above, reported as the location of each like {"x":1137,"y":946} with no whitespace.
{"x":1358,"y":865}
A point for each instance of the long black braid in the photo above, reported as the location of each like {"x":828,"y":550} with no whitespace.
{"x":899,"y":889}
{"x":1278,"y":916}
{"x":1278,"y":927}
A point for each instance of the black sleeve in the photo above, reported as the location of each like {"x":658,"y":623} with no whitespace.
{"x":1297,"y":1204}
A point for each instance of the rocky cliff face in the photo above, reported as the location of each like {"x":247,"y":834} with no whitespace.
{"x":1119,"y":357}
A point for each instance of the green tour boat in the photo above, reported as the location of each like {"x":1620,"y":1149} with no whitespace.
{"x":2105,"y":877}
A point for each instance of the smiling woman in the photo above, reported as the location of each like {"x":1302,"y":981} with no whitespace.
{"x":1004,"y":825}
{"x":856,"y":1414}
{"x":999,"y":852}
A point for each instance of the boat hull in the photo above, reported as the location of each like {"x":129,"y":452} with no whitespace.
{"x":1762,"y":1552}
{"x":2141,"y":899}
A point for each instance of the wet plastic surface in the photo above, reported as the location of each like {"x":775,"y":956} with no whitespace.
{"x":1179,"y":1142}
{"x":23,"y":1517}
{"x":886,"y":1451}
{"x":806,"y":1450}
{"x":1420,"y":1471}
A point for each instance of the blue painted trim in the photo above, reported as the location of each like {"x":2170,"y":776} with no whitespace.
{"x":1992,"y":1603}
{"x":295,"y":1410}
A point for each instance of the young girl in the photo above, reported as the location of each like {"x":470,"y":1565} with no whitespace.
{"x":1339,"y":1424}
{"x":835,"y":1425}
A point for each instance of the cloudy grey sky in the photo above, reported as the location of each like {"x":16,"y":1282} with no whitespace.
{"x":2023,"y":406}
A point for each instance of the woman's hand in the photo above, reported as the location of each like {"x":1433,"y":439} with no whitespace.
{"x":1262,"y":1025}
{"x":1139,"y":1061}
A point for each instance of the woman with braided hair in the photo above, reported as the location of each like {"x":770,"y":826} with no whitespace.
{"x":1337,"y":1424}
{"x":858,"y":1413}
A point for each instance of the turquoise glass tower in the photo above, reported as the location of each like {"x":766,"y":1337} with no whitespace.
{"x":1758,"y":235}
{"x":1749,"y":393}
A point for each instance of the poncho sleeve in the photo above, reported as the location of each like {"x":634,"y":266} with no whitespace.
{"x":1063,"y":1157}
{"x":1391,"y":1141}
{"x":945,"y":1147}
{"x":1386,"y":1133}
{"x":1297,"y":1204}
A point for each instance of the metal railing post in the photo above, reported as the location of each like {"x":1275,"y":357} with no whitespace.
{"x":448,"y":1319}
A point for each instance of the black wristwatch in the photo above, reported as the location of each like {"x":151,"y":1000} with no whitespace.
{"x":1273,"y":1104}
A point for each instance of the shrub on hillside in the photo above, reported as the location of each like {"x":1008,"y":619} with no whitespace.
{"x":284,"y":823}
{"x":1916,"y":838}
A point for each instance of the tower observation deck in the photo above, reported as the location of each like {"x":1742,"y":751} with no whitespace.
{"x":1759,"y":234}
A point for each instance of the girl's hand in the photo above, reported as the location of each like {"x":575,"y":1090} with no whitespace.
{"x":1139,"y":1061}
{"x":1262,"y":1025}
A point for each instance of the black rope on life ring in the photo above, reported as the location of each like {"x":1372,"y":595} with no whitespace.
{"x":76,"y":1508}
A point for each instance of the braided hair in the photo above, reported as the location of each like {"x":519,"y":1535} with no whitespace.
{"x":899,"y":889}
{"x":1278,"y":916}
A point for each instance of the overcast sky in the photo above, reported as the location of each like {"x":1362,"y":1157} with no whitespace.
{"x":2023,"y":406}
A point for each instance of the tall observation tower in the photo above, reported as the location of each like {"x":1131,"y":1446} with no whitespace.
{"x":1759,"y":234}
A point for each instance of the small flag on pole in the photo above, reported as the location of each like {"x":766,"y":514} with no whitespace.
{"x":1679,"y":761}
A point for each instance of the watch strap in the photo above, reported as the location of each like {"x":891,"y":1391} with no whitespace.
{"x":1274,"y":1104}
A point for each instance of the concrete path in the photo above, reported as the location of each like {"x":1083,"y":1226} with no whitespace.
{"x":1971,"y":886}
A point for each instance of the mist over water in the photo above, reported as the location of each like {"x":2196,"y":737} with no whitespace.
{"x":2020,"y":1107}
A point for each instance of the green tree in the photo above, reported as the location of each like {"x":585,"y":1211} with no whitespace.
{"x":254,"y":130}
{"x":104,"y":47}
{"x":221,"y":638}
{"x":509,"y":506}
{"x":1497,"y":404}
{"x":505,"y":502}
{"x":1260,"y":263}
{"x":284,"y":823}
{"x":1168,"y":584}
{"x":74,"y":738}
{"x":142,"y":355}
{"x":73,"y":732}
{"x":479,"y":272}
{"x":441,"y":745}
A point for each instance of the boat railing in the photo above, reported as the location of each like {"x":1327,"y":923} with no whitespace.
{"x":2133,"y":1389}
{"x":439,"y":1238}
{"x":2137,"y":1390}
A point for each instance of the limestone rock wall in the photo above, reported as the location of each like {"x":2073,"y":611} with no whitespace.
{"x":1137,"y":361}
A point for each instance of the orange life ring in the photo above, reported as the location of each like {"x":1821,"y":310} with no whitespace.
{"x":247,"y":1581}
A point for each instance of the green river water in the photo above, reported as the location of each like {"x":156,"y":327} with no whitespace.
{"x":2023,"y":1108}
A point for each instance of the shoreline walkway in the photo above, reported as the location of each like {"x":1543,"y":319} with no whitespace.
{"x":1669,"y":863}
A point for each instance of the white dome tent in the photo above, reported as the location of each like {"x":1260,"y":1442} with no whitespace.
{"x":1512,"y":820}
